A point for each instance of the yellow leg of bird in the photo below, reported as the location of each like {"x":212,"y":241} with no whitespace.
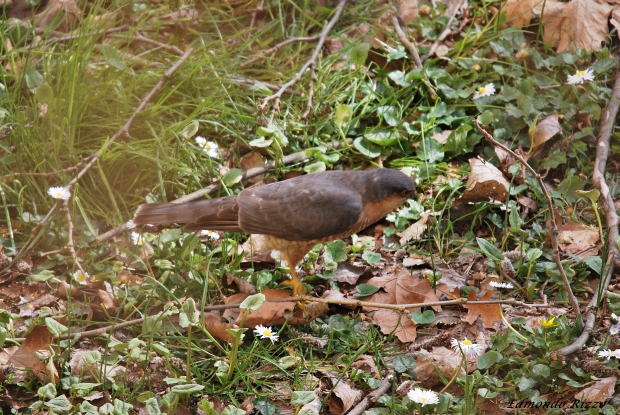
{"x":295,"y":283}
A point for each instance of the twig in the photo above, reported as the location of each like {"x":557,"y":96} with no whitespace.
{"x":413,"y":51}
{"x":248,"y":174}
{"x":313,"y":79}
{"x":312,"y":61}
{"x":259,"y":9}
{"x":279,"y":46}
{"x":246,"y":81}
{"x":373,"y":396}
{"x":598,"y":180}
{"x":306,"y":298}
{"x":554,"y":227}
{"x":139,"y":38}
{"x":70,"y":245}
{"x":67,"y":170}
{"x":92,"y":159}
{"x":446,"y":32}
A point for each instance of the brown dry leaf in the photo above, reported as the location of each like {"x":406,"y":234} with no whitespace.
{"x":602,"y":390}
{"x":388,"y":319}
{"x":519,"y":12}
{"x":243,"y":285}
{"x":615,"y":20}
{"x":442,"y":137}
{"x":528,"y":202}
{"x":578,"y":23}
{"x":414,"y":231}
{"x":440,"y":358}
{"x":577,"y":239}
{"x":62,"y":14}
{"x":366,"y":363}
{"x":490,"y":313}
{"x":546,"y":129}
{"x":214,"y":325}
{"x":250,"y":161}
{"x":407,"y":10}
{"x":349,"y":273}
{"x":344,"y":396}
{"x":485,"y":183}
{"x":25,"y":357}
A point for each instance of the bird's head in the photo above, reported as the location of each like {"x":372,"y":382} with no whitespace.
{"x":389,"y":185}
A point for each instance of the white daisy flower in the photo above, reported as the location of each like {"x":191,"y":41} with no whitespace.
{"x":59,"y":193}
{"x":470,"y":349}
{"x":130,"y":224}
{"x":485,"y":91}
{"x":210,"y":234}
{"x":580,"y":77}
{"x":137,"y":239}
{"x":265,"y":333}
{"x":209,"y":147}
{"x":423,"y":397}
{"x":505,"y":285}
{"x":81,"y":277}
{"x":613,"y":318}
{"x":606,"y":354}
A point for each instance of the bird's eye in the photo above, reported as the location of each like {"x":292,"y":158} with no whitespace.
{"x":406,"y":193}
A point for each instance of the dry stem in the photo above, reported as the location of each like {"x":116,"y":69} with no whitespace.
{"x":279,"y":46}
{"x":607,"y":203}
{"x":554,"y":227}
{"x":312,"y":61}
{"x":92,"y":159}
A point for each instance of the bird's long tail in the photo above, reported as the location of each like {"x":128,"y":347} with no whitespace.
{"x":214,"y":214}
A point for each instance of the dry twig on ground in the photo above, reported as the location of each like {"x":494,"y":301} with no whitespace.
{"x":92,"y":159}
{"x":554,"y":222}
{"x":310,"y":62}
{"x":608,"y":118}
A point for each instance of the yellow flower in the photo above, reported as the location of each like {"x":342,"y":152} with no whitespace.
{"x":547,"y":324}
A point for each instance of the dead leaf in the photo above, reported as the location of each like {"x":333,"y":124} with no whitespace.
{"x":602,"y":390}
{"x":528,"y":203}
{"x":417,"y":229}
{"x":485,"y":183}
{"x":545,"y":130}
{"x":578,"y":23}
{"x":519,"y":12}
{"x":490,"y":313}
{"x":439,"y":359}
{"x":25,"y":357}
{"x":442,"y":136}
{"x":367,"y":364}
{"x":407,"y":10}
{"x":344,"y":396}
{"x":349,"y":273}
{"x":577,"y":239}
{"x":213,"y":324}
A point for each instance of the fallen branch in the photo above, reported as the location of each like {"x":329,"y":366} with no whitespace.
{"x":92,"y":159}
{"x":403,"y":308}
{"x":372,"y":397}
{"x":312,"y":61}
{"x":410,"y":46}
{"x":608,"y":119}
{"x":554,"y":227}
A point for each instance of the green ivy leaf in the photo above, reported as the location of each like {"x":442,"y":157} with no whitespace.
{"x":359,"y":53}
{"x":300,"y":398}
{"x":44,"y":94}
{"x":403,"y":363}
{"x":426,"y":317}
{"x":232,"y":177}
{"x":315,"y":167}
{"x":382,"y":137}
{"x":371,"y":257}
{"x":343,"y":115}
{"x":253,"y":302}
{"x":366,"y":147}
{"x":488,"y":359}
{"x":490,"y":250}
{"x":55,"y":327}
{"x":364,"y":290}
{"x":568,"y":188}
